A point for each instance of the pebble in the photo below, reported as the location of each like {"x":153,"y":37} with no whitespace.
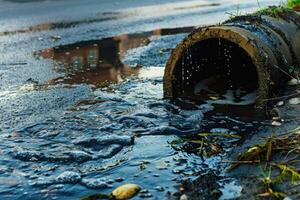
{"x":276,"y":123}
{"x":280,"y":103}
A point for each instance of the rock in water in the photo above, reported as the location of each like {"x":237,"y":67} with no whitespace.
{"x":126,"y":191}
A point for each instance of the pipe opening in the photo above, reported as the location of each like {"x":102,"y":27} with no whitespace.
{"x":217,"y":70}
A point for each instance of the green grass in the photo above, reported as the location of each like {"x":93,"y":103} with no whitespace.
{"x":292,"y":4}
{"x":275,"y":11}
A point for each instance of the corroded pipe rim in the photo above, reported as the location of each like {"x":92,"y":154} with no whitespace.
{"x":236,"y":35}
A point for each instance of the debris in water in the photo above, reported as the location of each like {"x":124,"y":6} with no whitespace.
{"x":269,"y":191}
{"x":294,"y":101}
{"x":294,"y":82}
{"x":55,"y":37}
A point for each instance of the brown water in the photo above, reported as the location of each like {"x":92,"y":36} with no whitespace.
{"x":99,"y":62}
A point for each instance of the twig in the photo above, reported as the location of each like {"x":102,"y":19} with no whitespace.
{"x":241,"y":162}
{"x":286,"y":73}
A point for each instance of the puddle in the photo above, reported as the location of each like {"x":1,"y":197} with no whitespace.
{"x":100,"y":62}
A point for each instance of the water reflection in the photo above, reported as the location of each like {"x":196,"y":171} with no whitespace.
{"x":99,"y":62}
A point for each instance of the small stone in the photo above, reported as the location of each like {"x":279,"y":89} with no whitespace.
{"x":276,"y":123}
{"x":126,"y":191}
{"x":280,"y":103}
{"x":294,"y":101}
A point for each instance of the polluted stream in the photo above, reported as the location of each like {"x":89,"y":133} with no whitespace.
{"x":125,"y":131}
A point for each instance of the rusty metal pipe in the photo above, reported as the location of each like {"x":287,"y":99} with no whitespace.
{"x":259,"y":50}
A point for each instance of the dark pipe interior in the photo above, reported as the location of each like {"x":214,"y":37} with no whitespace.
{"x":229,"y":66}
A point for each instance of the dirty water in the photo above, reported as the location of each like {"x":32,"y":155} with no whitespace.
{"x":101,"y":120}
{"x":122,"y":132}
